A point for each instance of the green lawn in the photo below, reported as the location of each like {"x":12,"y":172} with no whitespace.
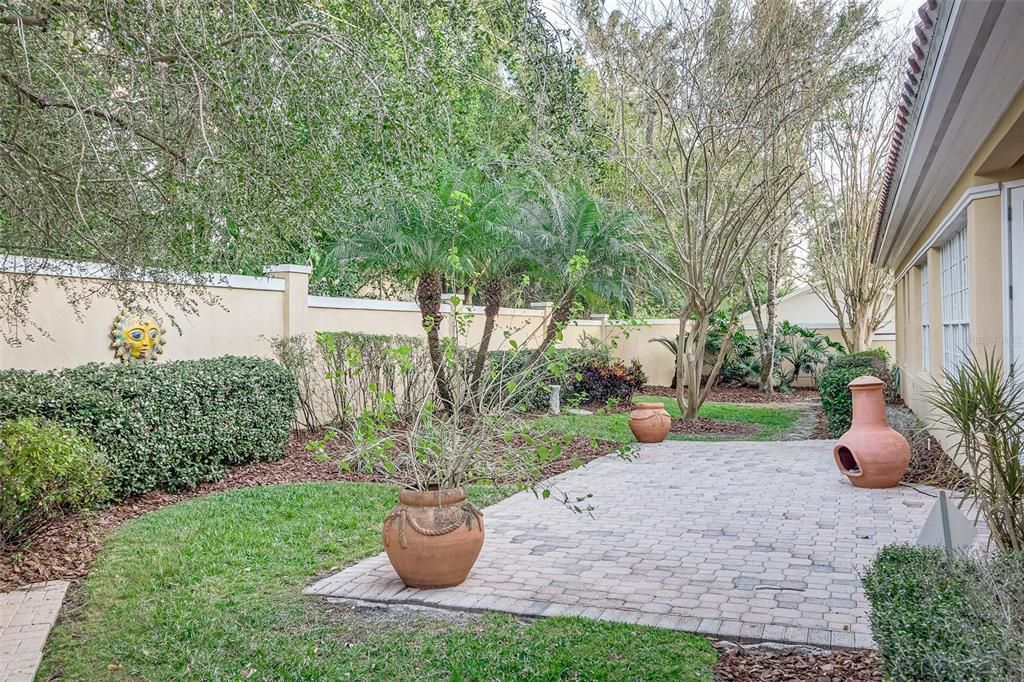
{"x":210,"y":589}
{"x":773,"y":421}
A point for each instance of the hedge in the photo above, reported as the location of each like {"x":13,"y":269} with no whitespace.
{"x":836,"y":401}
{"x":168,"y":426}
{"x":940,"y":618}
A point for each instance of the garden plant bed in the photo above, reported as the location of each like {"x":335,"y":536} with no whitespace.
{"x":741,"y":394}
{"x":710,"y":427}
{"x":762,"y":664}
{"x":65,"y":548}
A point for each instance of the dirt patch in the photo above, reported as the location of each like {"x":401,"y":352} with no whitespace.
{"x":820,"y":431}
{"x":729,"y":394}
{"x":705,"y":426}
{"x":740,"y":664}
{"x":65,"y":548}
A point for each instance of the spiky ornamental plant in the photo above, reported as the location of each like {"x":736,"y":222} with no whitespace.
{"x":984,"y":409}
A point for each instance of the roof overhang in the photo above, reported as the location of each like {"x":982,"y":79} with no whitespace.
{"x":971,"y":73}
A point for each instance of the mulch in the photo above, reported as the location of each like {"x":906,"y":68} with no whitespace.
{"x":932,"y":466}
{"x":740,"y":394}
{"x":705,"y":426}
{"x":740,"y":664}
{"x":65,"y":548}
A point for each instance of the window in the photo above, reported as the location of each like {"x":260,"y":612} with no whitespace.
{"x":955,"y":327}
{"x":926,"y":362}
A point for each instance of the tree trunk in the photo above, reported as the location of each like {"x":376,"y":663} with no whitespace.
{"x":857,"y":332}
{"x":690,"y":394}
{"x":492,"y":293}
{"x":690,"y":371}
{"x":559,"y":318}
{"x":428,"y":295}
{"x":766,"y":380}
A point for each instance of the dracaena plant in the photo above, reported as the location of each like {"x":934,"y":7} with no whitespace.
{"x":983,"y":409}
{"x":480,"y":437}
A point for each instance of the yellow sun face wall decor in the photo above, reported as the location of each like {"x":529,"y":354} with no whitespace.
{"x":137,"y":336}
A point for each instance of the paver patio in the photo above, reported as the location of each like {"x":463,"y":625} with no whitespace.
{"x":26,"y":616}
{"x":750,"y":541}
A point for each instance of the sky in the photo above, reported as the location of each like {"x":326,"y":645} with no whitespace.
{"x":903,"y":11}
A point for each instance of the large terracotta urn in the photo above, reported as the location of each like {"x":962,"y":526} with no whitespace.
{"x":649,"y":422}
{"x":433,"y":537}
{"x":871,"y":453}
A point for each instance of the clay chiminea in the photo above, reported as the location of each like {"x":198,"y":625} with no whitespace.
{"x":871,"y":454}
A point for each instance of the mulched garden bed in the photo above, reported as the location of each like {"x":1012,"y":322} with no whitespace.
{"x":931,"y":465}
{"x":729,"y":394}
{"x":739,"y":664}
{"x":65,"y":548}
{"x":704,"y":426}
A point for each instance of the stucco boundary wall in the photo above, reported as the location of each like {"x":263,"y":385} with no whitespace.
{"x":250,"y":312}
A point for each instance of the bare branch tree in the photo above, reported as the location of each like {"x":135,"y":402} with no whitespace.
{"x":847,"y":157}
{"x":705,"y":103}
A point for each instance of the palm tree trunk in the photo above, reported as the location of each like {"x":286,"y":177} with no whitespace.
{"x":492,"y":293}
{"x":428,"y":295}
{"x":559,"y":318}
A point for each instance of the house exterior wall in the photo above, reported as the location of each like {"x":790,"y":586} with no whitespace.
{"x":975,"y":204}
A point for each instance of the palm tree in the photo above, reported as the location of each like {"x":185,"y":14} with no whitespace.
{"x":495,"y":235}
{"x":584,"y":251}
{"x":413,"y":242}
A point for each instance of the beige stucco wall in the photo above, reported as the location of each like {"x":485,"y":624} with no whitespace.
{"x":249,"y":312}
{"x":982,"y":219}
{"x":238,"y":325}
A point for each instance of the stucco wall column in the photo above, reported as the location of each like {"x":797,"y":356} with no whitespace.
{"x":296,"y":296}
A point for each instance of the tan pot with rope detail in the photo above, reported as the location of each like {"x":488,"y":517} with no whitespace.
{"x":433,"y":537}
{"x":649,"y":422}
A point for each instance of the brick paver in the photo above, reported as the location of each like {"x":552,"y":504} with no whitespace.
{"x":26,"y":616}
{"x":745,"y":541}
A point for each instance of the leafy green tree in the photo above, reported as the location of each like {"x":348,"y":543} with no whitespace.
{"x":495,"y":237}
{"x":186,"y":137}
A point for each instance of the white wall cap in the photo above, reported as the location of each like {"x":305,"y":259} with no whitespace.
{"x":287,"y":267}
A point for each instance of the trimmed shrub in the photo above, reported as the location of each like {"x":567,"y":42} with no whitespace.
{"x":168,"y":426}
{"x":45,"y":469}
{"x":836,"y":401}
{"x":939,"y":618}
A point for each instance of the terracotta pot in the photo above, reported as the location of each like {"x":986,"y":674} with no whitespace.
{"x":871,"y":454}
{"x":433,"y":537}
{"x":649,"y":422}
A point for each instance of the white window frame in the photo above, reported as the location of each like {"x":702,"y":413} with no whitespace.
{"x":926,"y":326}
{"x":956,"y":330}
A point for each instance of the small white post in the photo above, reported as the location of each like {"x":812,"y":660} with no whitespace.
{"x":555,"y":404}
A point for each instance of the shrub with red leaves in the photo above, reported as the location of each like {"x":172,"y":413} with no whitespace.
{"x":604,"y":381}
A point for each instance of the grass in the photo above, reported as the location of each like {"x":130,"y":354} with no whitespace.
{"x":773,"y":422}
{"x":211,"y":589}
